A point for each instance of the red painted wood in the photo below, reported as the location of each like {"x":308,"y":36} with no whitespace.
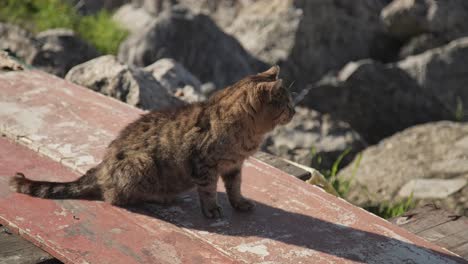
{"x":90,"y":231}
{"x":293,"y":222}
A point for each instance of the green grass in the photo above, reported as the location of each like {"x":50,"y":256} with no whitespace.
{"x":385,"y":209}
{"x":459,"y":110}
{"x":39,"y":15}
{"x":388,"y":210}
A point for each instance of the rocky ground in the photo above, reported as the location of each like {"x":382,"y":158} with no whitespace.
{"x":387,"y":79}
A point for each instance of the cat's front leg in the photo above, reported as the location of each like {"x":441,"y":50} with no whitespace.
{"x":209,"y":201}
{"x":232,"y":183}
{"x":206,"y":180}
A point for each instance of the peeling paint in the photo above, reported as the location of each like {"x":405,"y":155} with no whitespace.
{"x":29,"y":120}
{"x":85,"y":160}
{"x":260,"y":250}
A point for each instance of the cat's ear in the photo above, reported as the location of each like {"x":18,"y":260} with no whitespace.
{"x":271,"y":73}
{"x":275,"y":85}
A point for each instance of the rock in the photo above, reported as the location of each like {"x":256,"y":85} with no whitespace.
{"x":60,"y":50}
{"x":442,"y":73}
{"x":431,"y":188}
{"x":9,"y":64}
{"x":309,"y":38}
{"x":17,"y":41}
{"x":439,"y":21}
{"x":421,"y":43}
{"x":409,"y":18}
{"x":431,"y":151}
{"x":154,"y":7}
{"x":311,"y":137}
{"x":223,"y":12}
{"x":377,"y":100}
{"x":208,"y":88}
{"x":406,"y":18}
{"x":267,"y":28}
{"x":86,"y":7}
{"x":194,"y":41}
{"x":132,"y":18}
{"x":54,"y":51}
{"x":130,"y":85}
{"x":176,"y":80}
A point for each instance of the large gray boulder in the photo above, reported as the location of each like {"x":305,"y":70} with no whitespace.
{"x":55,"y":51}
{"x":130,"y":85}
{"x":60,"y":50}
{"x":223,"y":12}
{"x":193,"y":40}
{"x":377,"y":100}
{"x":176,"y":80}
{"x":411,"y":162}
{"x":92,"y":6}
{"x":132,"y":18}
{"x":409,"y":18}
{"x":309,"y":38}
{"x":443,"y":73}
{"x":314,"y":140}
{"x":439,"y":22}
{"x":17,"y":41}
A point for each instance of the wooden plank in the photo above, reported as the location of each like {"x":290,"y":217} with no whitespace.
{"x":282,"y":165}
{"x":439,"y":226}
{"x":423,"y":218}
{"x":15,"y":250}
{"x":463,"y":250}
{"x":293,"y":222}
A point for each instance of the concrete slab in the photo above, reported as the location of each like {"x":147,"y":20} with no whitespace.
{"x":293,"y":222}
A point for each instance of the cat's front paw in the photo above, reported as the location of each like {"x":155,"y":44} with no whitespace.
{"x":243,"y":205}
{"x":211,"y":212}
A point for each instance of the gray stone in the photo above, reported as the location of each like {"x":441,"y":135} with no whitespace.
{"x":54,"y":51}
{"x":423,"y":152}
{"x":309,"y":38}
{"x":431,"y":188}
{"x":17,"y":41}
{"x":132,"y":18}
{"x":223,"y":12}
{"x":9,"y":64}
{"x":60,"y":50}
{"x":196,"y":42}
{"x":377,"y":100}
{"x":442,"y":73}
{"x":93,"y":6}
{"x":177,"y":80}
{"x":311,"y":135}
{"x":409,"y":18}
{"x":420,"y":44}
{"x":127,"y":84}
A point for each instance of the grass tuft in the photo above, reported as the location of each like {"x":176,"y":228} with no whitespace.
{"x":39,"y":15}
{"x":389,"y":210}
{"x":385,"y":209}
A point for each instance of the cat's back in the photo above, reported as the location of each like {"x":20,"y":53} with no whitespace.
{"x":164,"y":129}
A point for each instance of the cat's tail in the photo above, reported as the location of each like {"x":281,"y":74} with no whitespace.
{"x":84,"y":187}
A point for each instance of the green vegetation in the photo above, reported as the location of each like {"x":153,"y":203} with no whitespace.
{"x":340,"y":185}
{"x":385,"y":210}
{"x":388,"y":210}
{"x":459,"y":110}
{"x":39,"y":15}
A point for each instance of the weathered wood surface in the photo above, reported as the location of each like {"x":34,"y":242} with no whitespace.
{"x":293,"y":222}
{"x":438,"y":226}
{"x":282,"y":165}
{"x":16,"y":250}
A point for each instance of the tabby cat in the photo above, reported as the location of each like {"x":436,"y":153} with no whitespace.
{"x":164,"y":153}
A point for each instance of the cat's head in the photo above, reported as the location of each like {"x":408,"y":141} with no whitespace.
{"x":270,"y":100}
